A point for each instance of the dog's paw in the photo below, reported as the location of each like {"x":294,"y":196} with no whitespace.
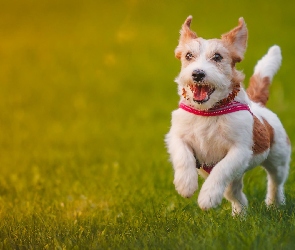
{"x":186,"y":182}
{"x":209,"y":197}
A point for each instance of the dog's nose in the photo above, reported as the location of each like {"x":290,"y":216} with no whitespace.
{"x":198,"y":75}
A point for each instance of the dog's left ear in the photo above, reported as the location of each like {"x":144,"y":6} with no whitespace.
{"x":186,"y":34}
{"x":237,"y":39}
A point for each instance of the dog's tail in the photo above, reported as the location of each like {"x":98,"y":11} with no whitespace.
{"x":265,"y":69}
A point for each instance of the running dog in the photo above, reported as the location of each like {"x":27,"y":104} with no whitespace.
{"x":220,"y":130}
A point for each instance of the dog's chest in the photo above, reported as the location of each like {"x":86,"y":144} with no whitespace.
{"x":209,"y":138}
{"x":209,"y":143}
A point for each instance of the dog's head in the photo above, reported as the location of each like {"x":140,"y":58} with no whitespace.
{"x":208,"y":74}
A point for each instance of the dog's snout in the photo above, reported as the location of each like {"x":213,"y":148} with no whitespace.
{"x":198,"y":75}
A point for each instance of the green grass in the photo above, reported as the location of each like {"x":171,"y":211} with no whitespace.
{"x":86,"y":94}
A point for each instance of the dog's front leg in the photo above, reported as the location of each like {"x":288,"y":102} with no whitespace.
{"x":232,"y":166}
{"x":184,"y":164}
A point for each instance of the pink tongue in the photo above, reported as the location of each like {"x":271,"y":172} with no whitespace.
{"x":200,"y":92}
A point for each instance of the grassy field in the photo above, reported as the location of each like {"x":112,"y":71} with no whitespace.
{"x":86,"y":94}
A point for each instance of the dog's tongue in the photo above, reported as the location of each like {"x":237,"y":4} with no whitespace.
{"x":201,"y":92}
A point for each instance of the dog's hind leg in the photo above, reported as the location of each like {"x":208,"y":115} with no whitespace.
{"x":235,"y":195}
{"x":277,"y":168}
{"x":276,"y":175}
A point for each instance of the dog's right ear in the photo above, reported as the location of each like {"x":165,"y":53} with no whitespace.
{"x":186,"y":34}
{"x":237,"y":39}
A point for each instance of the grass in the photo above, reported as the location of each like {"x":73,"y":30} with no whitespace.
{"x":86,"y":93}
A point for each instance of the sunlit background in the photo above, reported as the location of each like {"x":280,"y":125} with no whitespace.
{"x":86,"y":92}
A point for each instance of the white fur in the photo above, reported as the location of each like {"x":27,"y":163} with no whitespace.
{"x":270,"y":63}
{"x":225,"y":139}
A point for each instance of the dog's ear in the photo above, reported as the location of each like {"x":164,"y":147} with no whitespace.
{"x":186,"y":34}
{"x":237,"y":39}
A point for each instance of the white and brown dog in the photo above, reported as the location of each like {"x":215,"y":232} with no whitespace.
{"x":220,"y":130}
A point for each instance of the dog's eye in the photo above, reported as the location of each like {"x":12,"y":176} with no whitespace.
{"x":189,"y":56}
{"x":217,"y":57}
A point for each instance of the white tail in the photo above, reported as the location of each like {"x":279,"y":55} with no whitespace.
{"x":269,"y":64}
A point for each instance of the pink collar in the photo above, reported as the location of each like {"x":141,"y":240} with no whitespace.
{"x":219,"y":110}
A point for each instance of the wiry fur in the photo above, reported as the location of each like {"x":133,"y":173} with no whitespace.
{"x":265,"y":69}
{"x":227,"y":140}
{"x":268,"y":65}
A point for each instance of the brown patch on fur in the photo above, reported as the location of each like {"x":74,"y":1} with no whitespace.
{"x":258,"y":90}
{"x":186,"y":34}
{"x":237,"y":41}
{"x":238,"y":37}
{"x":178,"y":53}
{"x":234,"y":60}
{"x":270,"y":131}
{"x":263,"y":136}
{"x":184,"y":93}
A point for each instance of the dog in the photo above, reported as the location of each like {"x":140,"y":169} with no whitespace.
{"x":221,"y":130}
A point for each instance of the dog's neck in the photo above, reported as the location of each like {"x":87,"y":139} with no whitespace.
{"x":229,"y":98}
{"x":224,"y":106}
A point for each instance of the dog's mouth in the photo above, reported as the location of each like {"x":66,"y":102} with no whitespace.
{"x":201,"y":92}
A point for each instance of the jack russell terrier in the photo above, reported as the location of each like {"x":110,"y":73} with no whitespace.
{"x":220,"y":130}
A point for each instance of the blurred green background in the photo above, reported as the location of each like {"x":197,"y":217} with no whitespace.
{"x":86,"y":94}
